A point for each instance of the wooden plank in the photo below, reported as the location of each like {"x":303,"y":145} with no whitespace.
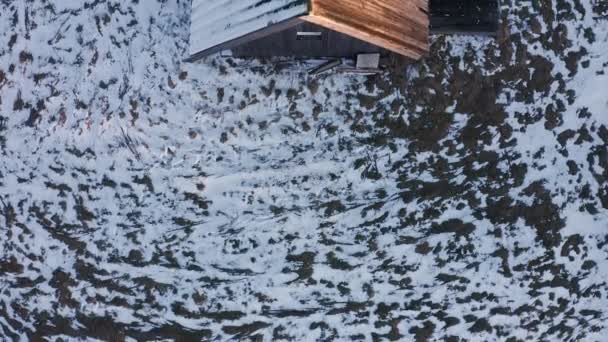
{"x":325,"y":67}
{"x":397,"y":25}
{"x":414,"y":52}
{"x":384,"y":17}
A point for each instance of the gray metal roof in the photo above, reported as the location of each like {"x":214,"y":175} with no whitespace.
{"x":215,"y":22}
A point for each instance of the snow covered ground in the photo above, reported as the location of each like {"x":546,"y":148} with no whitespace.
{"x":464,"y":197}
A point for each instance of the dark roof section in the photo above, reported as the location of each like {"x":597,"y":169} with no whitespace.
{"x":464,"y":16}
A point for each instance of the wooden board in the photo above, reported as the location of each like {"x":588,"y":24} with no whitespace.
{"x":397,"y":25}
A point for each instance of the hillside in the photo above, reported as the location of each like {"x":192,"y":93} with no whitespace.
{"x":464,"y":197}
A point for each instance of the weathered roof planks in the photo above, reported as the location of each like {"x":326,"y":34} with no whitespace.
{"x":397,"y":25}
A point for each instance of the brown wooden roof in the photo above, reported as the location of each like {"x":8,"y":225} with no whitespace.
{"x":401,"y":26}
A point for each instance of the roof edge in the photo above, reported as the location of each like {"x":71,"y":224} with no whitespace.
{"x":263,"y":32}
{"x":412,"y":50}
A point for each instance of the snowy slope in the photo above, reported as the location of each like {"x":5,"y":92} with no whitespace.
{"x":463,"y":197}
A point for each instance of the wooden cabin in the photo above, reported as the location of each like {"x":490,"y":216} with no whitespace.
{"x":332,"y":28}
{"x":309,"y":28}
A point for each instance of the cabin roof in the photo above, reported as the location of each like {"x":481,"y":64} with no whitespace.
{"x":397,"y":25}
{"x":401,"y":26}
{"x":215,"y":22}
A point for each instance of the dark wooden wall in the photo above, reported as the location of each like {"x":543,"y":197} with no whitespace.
{"x":285,"y":43}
